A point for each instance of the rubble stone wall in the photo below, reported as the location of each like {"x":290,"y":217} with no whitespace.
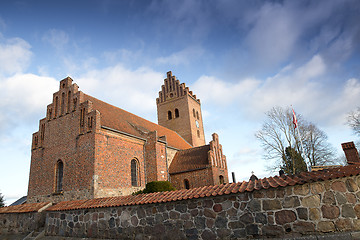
{"x":311,"y":209}
{"x":14,"y":223}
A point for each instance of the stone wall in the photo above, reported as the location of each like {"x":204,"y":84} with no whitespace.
{"x":14,"y":223}
{"x":310,"y":209}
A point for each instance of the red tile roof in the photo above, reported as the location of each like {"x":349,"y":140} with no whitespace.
{"x":190,"y":159}
{"x":24,"y":208}
{"x":223,"y":189}
{"x":121,"y":120}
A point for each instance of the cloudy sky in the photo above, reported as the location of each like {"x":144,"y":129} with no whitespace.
{"x":239,"y":57}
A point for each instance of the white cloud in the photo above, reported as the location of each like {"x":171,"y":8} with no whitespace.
{"x":273,"y":35}
{"x":185,"y":56}
{"x":303,"y":87}
{"x":132,"y":90}
{"x":57,"y":38}
{"x":25,"y":97}
{"x":15,"y":55}
{"x":214,"y":90}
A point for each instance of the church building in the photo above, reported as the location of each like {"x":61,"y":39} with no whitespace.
{"x":86,"y":148}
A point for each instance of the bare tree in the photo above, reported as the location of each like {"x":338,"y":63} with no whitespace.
{"x":353,"y":120}
{"x":278,"y":133}
{"x":317,"y":149}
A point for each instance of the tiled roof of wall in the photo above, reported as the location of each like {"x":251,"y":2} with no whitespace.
{"x":121,"y":120}
{"x":224,"y":189}
{"x":190,"y":159}
{"x":24,"y":208}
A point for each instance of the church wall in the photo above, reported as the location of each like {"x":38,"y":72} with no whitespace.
{"x":155,"y":155}
{"x":197,"y":178}
{"x":180,"y":124}
{"x":63,"y":140}
{"x":197,"y":140}
{"x":113,"y":155}
{"x":217,"y":172}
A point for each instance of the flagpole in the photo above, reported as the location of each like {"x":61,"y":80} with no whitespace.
{"x":302,"y":146}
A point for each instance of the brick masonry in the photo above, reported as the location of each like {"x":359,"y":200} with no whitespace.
{"x":96,"y":158}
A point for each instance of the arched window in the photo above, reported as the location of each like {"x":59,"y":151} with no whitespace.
{"x":59,"y":176}
{"x":169,"y":115}
{"x":198,"y":133}
{"x":197,"y":115}
{"x":194,"y":112}
{"x":221,"y":179}
{"x":134,"y":173}
{"x":187,"y":184}
{"x":176,"y":113}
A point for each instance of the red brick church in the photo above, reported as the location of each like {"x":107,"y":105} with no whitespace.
{"x":86,"y":148}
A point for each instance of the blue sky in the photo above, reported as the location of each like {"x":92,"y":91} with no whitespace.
{"x":239,"y":57}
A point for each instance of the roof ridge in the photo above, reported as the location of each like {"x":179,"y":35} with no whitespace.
{"x":194,"y":148}
{"x":132,"y":115}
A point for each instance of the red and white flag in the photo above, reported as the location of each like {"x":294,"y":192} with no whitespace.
{"x":294,"y":119}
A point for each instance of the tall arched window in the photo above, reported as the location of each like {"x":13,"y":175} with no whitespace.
{"x":169,"y":115}
{"x":197,"y":115}
{"x":194,"y":112}
{"x":187,"y":184}
{"x":59,"y":176}
{"x":134,"y":173}
{"x":176,"y":113}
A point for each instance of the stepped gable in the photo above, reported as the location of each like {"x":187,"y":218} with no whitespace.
{"x":24,"y":208}
{"x":121,"y":120}
{"x":207,"y":191}
{"x":190,"y":159}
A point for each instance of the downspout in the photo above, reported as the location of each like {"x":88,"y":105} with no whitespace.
{"x":167,"y":166}
{"x":144,"y":156}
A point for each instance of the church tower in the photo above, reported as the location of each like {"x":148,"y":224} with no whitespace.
{"x":179,"y":110}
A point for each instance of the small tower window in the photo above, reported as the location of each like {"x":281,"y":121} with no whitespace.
{"x":197,"y":115}
{"x":59,"y":176}
{"x":176,"y":113}
{"x":134,"y":173}
{"x":221,"y":179}
{"x":194,"y":112}
{"x":186,"y":184}
{"x":169,"y":115}
{"x":198,"y":133}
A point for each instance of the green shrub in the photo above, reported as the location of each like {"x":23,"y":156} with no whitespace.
{"x":156,"y":186}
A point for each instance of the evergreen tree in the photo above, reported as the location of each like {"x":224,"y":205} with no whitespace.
{"x":2,"y":201}
{"x":293,"y":162}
